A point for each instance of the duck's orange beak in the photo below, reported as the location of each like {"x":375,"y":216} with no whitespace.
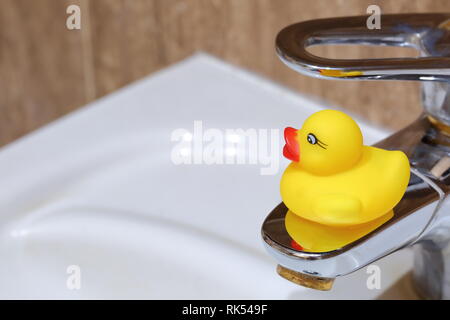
{"x":291,"y":149}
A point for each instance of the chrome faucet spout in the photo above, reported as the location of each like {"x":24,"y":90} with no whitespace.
{"x":422,"y":217}
{"x":419,"y":219}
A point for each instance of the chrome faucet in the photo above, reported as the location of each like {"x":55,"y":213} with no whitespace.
{"x":422,"y":218}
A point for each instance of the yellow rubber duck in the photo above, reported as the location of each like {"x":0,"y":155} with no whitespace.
{"x":337,"y":189}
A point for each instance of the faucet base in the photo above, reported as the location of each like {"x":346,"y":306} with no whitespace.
{"x":305,"y":280}
{"x":431,"y":270}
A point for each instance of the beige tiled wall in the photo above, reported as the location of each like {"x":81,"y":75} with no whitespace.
{"x":48,"y":70}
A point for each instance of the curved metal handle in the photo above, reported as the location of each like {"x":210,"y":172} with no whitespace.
{"x":428,"y":33}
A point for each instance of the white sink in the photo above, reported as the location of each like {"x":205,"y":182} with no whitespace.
{"x":98,"y":190}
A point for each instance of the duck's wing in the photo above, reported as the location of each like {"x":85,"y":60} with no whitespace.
{"x":337,"y":209}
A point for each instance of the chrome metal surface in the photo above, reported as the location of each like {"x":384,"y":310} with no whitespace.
{"x":428,"y":33}
{"x":422,"y":218}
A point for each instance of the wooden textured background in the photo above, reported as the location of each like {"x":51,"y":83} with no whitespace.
{"x":47,"y":70}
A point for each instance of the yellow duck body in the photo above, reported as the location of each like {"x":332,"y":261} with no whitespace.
{"x":367,"y":191}
{"x":336,"y":189}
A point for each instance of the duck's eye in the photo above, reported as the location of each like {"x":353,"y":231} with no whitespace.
{"x":311,"y":138}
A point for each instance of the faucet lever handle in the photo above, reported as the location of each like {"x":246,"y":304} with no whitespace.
{"x":428,"y":33}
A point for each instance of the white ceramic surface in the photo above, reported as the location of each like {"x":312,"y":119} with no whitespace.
{"x":97,"y":189}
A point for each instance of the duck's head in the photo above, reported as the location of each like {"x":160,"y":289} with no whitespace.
{"x":328,"y":142}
